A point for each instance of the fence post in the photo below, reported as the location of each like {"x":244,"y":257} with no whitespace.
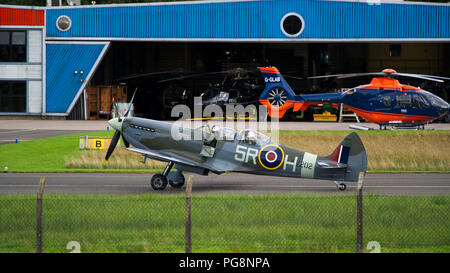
{"x":188,"y":242}
{"x":359,"y":214}
{"x":40,"y":193}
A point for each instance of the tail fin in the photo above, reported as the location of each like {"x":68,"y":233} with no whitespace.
{"x":277,"y":96}
{"x":351,"y":152}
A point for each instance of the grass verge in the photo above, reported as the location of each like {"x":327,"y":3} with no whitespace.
{"x":226,"y":223}
{"x":388,"y":151}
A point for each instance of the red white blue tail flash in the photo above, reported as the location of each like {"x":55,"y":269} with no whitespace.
{"x":341,"y":154}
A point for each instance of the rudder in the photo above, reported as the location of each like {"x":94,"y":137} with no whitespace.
{"x":351,"y":152}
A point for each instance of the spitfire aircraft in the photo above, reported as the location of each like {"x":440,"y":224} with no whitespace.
{"x":219,"y":150}
{"x":384,"y":101}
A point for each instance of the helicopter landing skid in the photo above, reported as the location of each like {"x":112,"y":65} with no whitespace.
{"x":402,"y":126}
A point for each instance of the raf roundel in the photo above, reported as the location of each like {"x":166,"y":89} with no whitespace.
{"x":271,"y":156}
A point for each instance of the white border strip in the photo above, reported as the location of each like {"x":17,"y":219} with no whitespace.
{"x":177,"y":3}
{"x":250,"y":40}
{"x":21,"y":27}
{"x":392,"y":2}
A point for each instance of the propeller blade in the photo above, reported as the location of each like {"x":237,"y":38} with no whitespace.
{"x":125,"y":142}
{"x":113,"y":144}
{"x":130,"y":103}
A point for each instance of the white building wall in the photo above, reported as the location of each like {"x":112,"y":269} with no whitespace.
{"x":31,"y":71}
{"x":21,"y":71}
{"x":35,"y":46}
{"x":34,"y":96}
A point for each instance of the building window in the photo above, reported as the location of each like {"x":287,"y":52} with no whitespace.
{"x":292,"y":24}
{"x":13,"y":96}
{"x":395,"y":50}
{"x":13,"y":46}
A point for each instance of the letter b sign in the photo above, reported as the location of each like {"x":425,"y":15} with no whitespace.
{"x":99,"y":144}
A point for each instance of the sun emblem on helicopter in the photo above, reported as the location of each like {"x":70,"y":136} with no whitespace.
{"x":277,"y":97}
{"x":271,"y":156}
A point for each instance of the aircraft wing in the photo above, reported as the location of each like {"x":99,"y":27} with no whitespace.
{"x":163,"y":156}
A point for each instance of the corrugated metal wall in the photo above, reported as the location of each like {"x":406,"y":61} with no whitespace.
{"x":257,"y":20}
{"x":62,"y":83}
{"x":21,"y":17}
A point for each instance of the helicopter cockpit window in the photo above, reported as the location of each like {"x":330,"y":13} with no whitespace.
{"x":435,"y":100}
{"x":420,"y":102}
{"x":253,"y":137}
{"x":403,"y":100}
{"x":386,"y":100}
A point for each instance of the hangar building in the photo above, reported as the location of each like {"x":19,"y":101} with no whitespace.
{"x":57,"y":62}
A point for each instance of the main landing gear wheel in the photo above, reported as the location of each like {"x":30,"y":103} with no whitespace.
{"x":178,"y":184}
{"x":158,"y":182}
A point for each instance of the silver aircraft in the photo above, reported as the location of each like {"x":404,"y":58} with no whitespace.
{"x":218,"y":150}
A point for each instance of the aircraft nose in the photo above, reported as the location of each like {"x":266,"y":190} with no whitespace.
{"x":442,"y":111}
{"x":116,"y":124}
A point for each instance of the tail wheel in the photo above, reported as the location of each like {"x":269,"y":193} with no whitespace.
{"x":277,"y":97}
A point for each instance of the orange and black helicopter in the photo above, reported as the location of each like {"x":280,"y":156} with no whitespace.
{"x":384,"y":101}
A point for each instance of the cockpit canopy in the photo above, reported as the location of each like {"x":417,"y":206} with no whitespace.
{"x":217,"y":132}
{"x":248,"y":136}
{"x":253,"y":137}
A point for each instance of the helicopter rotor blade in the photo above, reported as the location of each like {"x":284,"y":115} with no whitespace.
{"x":354,"y":75}
{"x":422,"y":77}
{"x":293,"y":77}
{"x":326,"y":76}
{"x":205,"y":74}
{"x":383,"y":74}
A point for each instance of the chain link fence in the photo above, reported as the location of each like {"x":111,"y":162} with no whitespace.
{"x":225,"y":223}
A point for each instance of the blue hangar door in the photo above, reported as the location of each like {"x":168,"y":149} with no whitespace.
{"x":69,"y":68}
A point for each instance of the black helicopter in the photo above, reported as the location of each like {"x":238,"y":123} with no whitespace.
{"x":230,"y":87}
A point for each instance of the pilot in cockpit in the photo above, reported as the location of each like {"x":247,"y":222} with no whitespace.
{"x":250,"y":137}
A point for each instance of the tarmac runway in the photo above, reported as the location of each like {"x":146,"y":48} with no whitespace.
{"x":138,"y":183}
{"x":10,"y":136}
{"x":24,"y":130}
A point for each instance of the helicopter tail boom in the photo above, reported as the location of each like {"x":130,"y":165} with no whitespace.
{"x":277,"y":95}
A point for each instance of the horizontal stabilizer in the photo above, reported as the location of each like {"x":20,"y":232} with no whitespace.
{"x":331,"y":165}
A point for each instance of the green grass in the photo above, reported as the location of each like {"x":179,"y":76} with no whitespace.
{"x":44,"y":154}
{"x":226,"y":223}
{"x":388,"y":151}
